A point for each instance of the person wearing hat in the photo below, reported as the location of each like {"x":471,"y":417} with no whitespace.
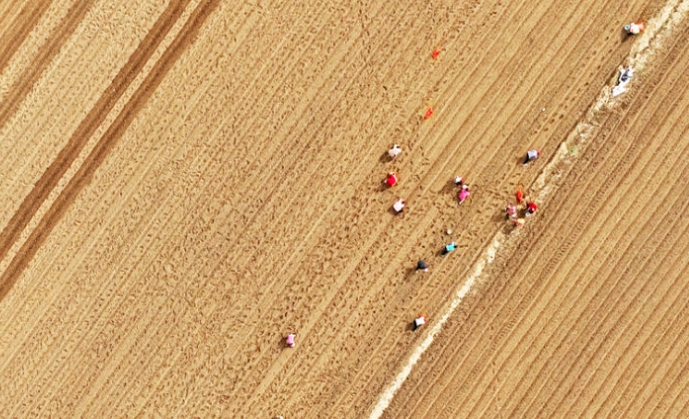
{"x":531,"y":155}
{"x":634,"y":28}
{"x":422,"y":266}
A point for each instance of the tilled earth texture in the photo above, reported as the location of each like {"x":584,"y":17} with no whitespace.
{"x":184,"y":183}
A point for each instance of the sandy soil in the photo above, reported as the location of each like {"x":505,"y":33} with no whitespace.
{"x":185,"y":183}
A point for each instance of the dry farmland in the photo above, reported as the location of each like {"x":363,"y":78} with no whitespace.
{"x":185,"y":182}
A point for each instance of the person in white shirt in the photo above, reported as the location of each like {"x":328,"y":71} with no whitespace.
{"x":394,"y":151}
{"x":531,"y":155}
{"x":399,"y":205}
{"x":634,"y":28}
{"x":419,"y":321}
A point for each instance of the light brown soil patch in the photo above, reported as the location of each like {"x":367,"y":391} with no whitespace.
{"x":186,"y":183}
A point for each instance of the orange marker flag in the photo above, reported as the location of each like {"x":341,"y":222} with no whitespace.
{"x":428,"y":114}
{"x":435,"y":54}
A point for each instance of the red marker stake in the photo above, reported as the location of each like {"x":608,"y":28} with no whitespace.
{"x":428,"y":114}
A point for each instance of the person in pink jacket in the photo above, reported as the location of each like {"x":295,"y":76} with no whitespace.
{"x":290,"y":340}
{"x":463,"y":194}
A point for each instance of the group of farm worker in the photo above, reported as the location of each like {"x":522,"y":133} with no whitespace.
{"x":514,"y":212}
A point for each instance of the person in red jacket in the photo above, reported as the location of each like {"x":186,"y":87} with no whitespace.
{"x":531,"y":208}
{"x":391,"y":179}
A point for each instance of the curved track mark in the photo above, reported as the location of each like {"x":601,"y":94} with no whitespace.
{"x":54,"y":173}
{"x":20,"y":29}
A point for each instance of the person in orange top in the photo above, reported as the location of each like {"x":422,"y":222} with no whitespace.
{"x":531,"y":208}
{"x":520,"y":196}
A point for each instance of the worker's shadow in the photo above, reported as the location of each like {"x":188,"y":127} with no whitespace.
{"x":385,"y":158}
{"x":500,"y":217}
{"x":283,"y":343}
{"x":392,"y":211}
{"x":382,"y":186}
{"x":409,"y":274}
{"x":410,"y":327}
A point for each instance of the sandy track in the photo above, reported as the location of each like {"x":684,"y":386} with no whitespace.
{"x":195,"y":179}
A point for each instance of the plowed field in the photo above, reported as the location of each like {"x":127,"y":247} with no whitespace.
{"x":184,"y":183}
